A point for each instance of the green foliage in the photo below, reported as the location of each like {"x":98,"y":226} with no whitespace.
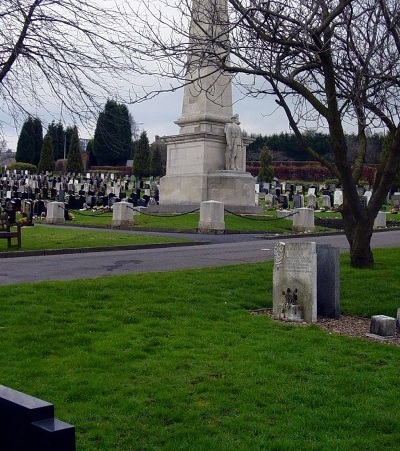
{"x":285,"y":146}
{"x":266,"y":173}
{"x":141,"y":160}
{"x":30,"y":142}
{"x":91,"y":159}
{"x":156,"y":164}
{"x":22,"y":167}
{"x":57,"y":133}
{"x":69,"y":131}
{"x":112,"y":144}
{"x":385,"y":152}
{"x":74,"y":160}
{"x":38,"y":140}
{"x":47,"y":162}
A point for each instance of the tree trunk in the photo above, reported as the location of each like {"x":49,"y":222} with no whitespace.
{"x":360,"y":248}
{"x":358,"y":231}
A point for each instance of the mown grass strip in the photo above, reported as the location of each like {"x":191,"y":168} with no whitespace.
{"x":39,"y":238}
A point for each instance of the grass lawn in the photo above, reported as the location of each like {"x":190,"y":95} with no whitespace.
{"x":174,"y":361}
{"x":39,"y":238}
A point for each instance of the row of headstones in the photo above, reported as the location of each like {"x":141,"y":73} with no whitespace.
{"x":36,"y":207}
{"x":304,"y":219}
{"x":278,"y":188}
{"x":326,"y":200}
{"x":49,"y":186}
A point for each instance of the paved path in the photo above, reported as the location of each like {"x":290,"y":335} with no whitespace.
{"x":222,"y":250}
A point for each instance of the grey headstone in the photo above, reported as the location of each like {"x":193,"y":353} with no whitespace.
{"x":312,"y":201}
{"x":326,"y":201}
{"x":298,"y":201}
{"x":328,"y":281}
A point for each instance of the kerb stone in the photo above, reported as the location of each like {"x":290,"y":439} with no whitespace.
{"x":383,"y":325}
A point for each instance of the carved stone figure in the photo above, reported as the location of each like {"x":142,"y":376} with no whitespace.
{"x":234,"y":145}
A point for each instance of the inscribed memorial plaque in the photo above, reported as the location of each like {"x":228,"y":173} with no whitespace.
{"x":295,"y":282}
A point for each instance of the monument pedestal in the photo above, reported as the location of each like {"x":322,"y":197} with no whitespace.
{"x":234,"y":188}
{"x":195,"y":174}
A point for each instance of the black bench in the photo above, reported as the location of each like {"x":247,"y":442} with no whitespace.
{"x":6,"y":232}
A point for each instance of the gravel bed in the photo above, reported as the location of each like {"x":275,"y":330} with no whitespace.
{"x":352,"y":326}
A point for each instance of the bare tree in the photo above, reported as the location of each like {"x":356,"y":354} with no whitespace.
{"x":67,"y":55}
{"x":328,"y":64}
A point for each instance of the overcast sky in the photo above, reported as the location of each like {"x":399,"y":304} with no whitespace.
{"x":157,"y":116}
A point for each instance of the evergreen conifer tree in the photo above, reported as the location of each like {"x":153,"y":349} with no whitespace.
{"x":141,"y":160}
{"x":38,"y":140}
{"x":47,"y":162}
{"x":25,"y":145}
{"x":266,"y":173}
{"x":74,"y":161}
{"x":156,"y":165}
{"x":112,"y":144}
{"x":30,"y":142}
{"x":56,"y":131}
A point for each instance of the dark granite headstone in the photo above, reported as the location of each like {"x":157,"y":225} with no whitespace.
{"x":328,"y":283}
{"x":28,"y":423}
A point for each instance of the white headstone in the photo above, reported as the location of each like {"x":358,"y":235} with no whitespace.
{"x":295,"y":282}
{"x":337,"y":197}
{"x":368,"y":195}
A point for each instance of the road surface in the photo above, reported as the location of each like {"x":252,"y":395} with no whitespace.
{"x":221,"y":250}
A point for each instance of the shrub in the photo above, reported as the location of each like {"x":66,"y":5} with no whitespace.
{"x":18,"y":166}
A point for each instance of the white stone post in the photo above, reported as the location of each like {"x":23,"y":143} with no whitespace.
{"x":122,"y":214}
{"x":303,"y":220}
{"x":55,"y":213}
{"x":211,"y":217}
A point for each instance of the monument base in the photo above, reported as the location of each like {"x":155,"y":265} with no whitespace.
{"x":235,"y":189}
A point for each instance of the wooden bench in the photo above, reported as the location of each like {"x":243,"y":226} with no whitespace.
{"x":5,"y":231}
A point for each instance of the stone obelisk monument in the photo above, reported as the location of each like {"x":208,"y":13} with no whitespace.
{"x":207,"y":160}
